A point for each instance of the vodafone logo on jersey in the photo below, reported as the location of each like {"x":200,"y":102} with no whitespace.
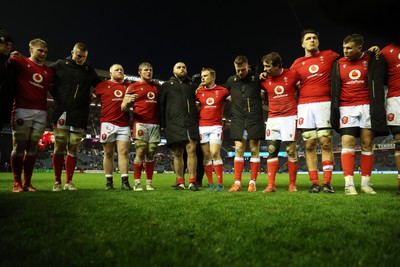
{"x":313,"y":68}
{"x":151,"y":95}
{"x":118,"y":93}
{"x":37,"y":77}
{"x":279,"y":90}
{"x":354,"y":74}
{"x":210,"y":101}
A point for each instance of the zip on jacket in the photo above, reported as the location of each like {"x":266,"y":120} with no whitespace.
{"x":76,"y":91}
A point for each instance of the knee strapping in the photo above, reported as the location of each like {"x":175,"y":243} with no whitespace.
{"x":20,"y":134}
{"x":36,"y":135}
{"x":75,"y":138}
{"x":308,"y":135}
{"x":273,"y":148}
{"x":61,"y":137}
{"x":152,"y":147}
{"x":325,"y":132}
{"x":141,"y":145}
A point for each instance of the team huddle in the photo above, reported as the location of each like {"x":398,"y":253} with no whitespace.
{"x":356,"y":94}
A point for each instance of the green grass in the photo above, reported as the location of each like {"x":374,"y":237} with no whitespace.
{"x":94,"y":227}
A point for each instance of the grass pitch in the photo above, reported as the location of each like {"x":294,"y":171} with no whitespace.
{"x":94,"y":227}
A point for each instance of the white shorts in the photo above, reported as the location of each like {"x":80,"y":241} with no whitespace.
{"x":355,"y":116}
{"x":147,"y":132}
{"x":393,"y":111}
{"x":282,"y":128}
{"x":314,"y":115}
{"x":30,"y":118}
{"x":110,"y":133}
{"x":212,"y":134}
{"x":62,"y":126}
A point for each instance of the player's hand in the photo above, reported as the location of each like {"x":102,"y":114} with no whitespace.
{"x":375,"y":49}
{"x":263,"y":76}
{"x":133,"y":97}
{"x":156,"y":82}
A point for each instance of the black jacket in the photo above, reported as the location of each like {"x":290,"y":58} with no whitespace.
{"x":7,"y":89}
{"x":246,"y":107}
{"x":377,"y":69}
{"x":179,"y":114}
{"x":72,"y":91}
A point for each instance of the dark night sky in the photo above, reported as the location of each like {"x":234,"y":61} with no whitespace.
{"x":200,"y":33}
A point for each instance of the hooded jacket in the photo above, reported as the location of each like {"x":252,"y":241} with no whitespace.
{"x":246,"y":106}
{"x":179,"y":114}
{"x":72,"y":91}
{"x":7,"y":89}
